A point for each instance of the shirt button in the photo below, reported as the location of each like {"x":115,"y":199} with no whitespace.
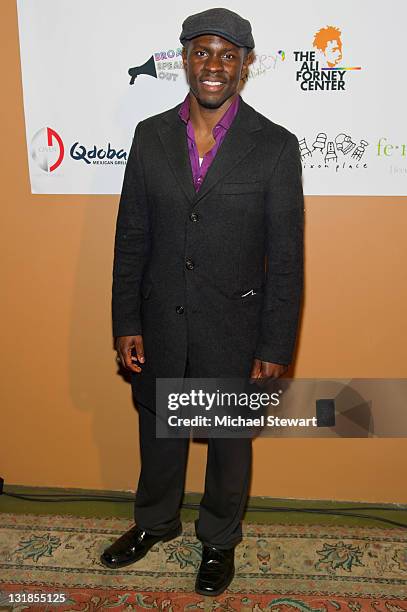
{"x":179,"y":309}
{"x":194,"y":216}
{"x":189,"y":264}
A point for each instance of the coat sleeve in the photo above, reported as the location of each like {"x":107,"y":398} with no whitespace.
{"x":284,"y":216}
{"x":131,"y":246}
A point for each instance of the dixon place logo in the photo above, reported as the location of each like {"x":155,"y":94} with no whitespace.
{"x":341,"y":152}
{"x":323,"y":68}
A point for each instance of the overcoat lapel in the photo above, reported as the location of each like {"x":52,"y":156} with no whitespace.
{"x":174,"y":139}
{"x":237,"y":144}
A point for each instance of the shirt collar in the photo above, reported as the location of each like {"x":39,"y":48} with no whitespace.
{"x":225,"y":121}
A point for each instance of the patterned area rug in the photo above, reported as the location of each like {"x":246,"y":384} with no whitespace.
{"x":278,"y":567}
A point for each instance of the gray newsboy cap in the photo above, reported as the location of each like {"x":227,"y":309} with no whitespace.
{"x":219,"y":21}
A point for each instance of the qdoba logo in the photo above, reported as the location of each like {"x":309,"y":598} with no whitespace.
{"x":98,"y":155}
{"x":47,"y":149}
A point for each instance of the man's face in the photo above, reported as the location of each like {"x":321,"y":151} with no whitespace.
{"x":214,"y":68}
{"x":333,"y":52}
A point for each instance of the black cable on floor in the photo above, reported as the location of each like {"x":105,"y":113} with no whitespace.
{"x":130,"y":499}
{"x":324,"y":511}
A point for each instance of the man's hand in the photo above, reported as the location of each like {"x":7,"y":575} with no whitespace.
{"x":265,"y":370}
{"x":124,"y":346}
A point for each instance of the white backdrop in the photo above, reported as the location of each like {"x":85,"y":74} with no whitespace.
{"x":81,"y":110}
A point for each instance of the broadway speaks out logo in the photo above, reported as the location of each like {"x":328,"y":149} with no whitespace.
{"x":322,"y":69}
{"x":47,"y":149}
{"x":164,"y":65}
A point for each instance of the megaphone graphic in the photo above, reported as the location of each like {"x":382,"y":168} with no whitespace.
{"x":147,"y":68}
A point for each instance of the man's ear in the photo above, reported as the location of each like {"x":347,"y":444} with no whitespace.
{"x":249,"y":57}
{"x":184,"y":56}
{"x":247,"y":60}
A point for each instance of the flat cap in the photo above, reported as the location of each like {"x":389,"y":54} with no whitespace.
{"x":219,"y":21}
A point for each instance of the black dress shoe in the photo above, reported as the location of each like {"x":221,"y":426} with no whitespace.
{"x":216,"y":570}
{"x":133,"y":546}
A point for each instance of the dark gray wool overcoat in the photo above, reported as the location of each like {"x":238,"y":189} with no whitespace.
{"x":185,"y":263}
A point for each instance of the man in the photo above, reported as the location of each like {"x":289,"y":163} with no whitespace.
{"x":212,"y":192}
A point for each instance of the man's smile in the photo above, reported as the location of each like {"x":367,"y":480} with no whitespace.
{"x":212,"y":85}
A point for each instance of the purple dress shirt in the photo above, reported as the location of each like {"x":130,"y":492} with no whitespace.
{"x":219,"y":133}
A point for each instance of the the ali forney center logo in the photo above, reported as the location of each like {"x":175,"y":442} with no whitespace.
{"x":163,"y":65}
{"x":47,"y":149}
{"x":323,"y":69}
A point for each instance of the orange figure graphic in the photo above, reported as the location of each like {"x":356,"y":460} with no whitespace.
{"x":328,"y":42}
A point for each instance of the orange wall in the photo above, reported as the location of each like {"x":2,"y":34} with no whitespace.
{"x":67,"y":417}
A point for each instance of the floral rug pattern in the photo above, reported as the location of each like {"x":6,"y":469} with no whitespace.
{"x":278,"y":568}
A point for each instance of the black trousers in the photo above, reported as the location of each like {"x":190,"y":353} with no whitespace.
{"x":161,"y":483}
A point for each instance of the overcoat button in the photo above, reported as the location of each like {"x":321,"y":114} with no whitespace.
{"x":179,"y":309}
{"x":189,"y":264}
{"x":194,"y":216}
